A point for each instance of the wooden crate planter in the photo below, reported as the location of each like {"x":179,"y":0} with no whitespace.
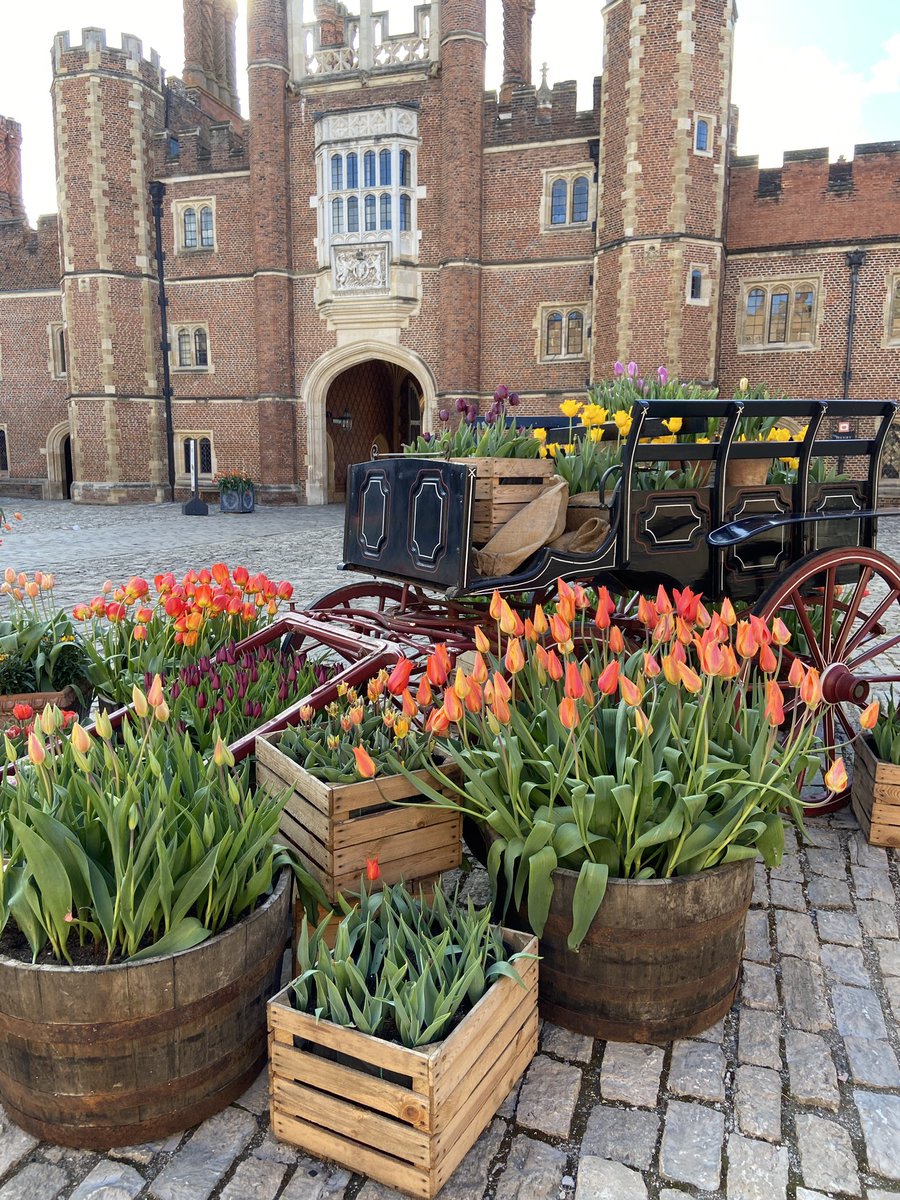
{"x":503,"y":486}
{"x":875,"y":795}
{"x":300,"y":911}
{"x":336,"y":827}
{"x":404,"y":1117}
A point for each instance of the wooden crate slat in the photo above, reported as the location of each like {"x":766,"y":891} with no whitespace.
{"x":354,"y":1121}
{"x":411,"y":845}
{"x":290,"y":772}
{"x":503,"y":486}
{"x":875,"y":795}
{"x":884,"y":835}
{"x":394,"y":821}
{"x":322,"y":1144}
{"x":312,"y":820}
{"x":420,"y":867}
{"x":380,"y":790}
{"x":313,"y":853}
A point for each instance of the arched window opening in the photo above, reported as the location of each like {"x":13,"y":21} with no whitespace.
{"x":337,"y":216}
{"x":554,"y":334}
{"x":575,"y":333}
{"x":189,"y":228}
{"x":184,"y":348}
{"x":352,"y":170}
{"x":352,"y":214}
{"x":802,"y":316}
{"x":384,"y":168}
{"x":755,"y":317}
{"x":201,"y":358}
{"x":207,"y":232}
{"x":702,"y":138}
{"x":405,"y":213}
{"x":405,"y":168}
{"x":369,"y":168}
{"x":61,"y":349}
{"x":696,"y":284}
{"x":370,"y":214}
{"x":337,"y":173}
{"x":205,"y":456}
{"x":579,"y":199}
{"x":558,"y":202}
{"x":385,"y":212}
{"x":778,"y":317}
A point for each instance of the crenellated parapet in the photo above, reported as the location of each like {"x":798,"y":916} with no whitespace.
{"x":194,"y":143}
{"x":811,"y":200}
{"x":338,"y":43}
{"x":92,"y":54}
{"x":523,"y":115}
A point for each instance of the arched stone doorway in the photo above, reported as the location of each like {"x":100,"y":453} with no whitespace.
{"x":387,"y":393}
{"x":60,"y":468}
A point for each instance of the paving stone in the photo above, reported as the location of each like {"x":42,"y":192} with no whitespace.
{"x":759,"y":1034}
{"x":36,"y":1181}
{"x":271,"y":1148}
{"x":789,"y":869}
{"x":697,"y":1070}
{"x":857,"y":1012}
{"x":844,"y":964}
{"x":811,"y":1070}
{"x":758,"y":988}
{"x":574,"y":1047}
{"x":756,"y":937}
{"x":830,"y":863}
{"x":672,"y":1194}
{"x":260,"y":1178}
{"x":880,"y":1117}
{"x":146,"y":1152}
{"x":803,"y":991}
{"x":548,"y":1097}
{"x":756,"y":1170}
{"x":826,"y":1156}
{"x":888,"y":956}
{"x":892,"y":987}
{"x":469,"y":1178}
{"x":840,"y":928}
{"x":818,"y":834}
{"x":602,"y":1180}
{"x":788,"y":895}
{"x":110,"y":1181}
{"x":806,"y":1194}
{"x":872,"y":1062}
{"x":256,"y":1097}
{"x":15,"y":1143}
{"x":877,"y":919}
{"x":760,"y":886}
{"x":715,"y":1033}
{"x":872,"y":884}
{"x":758,"y":1102}
{"x":864,"y":854}
{"x":533,"y":1171}
{"x":828,"y":893}
{"x":622,"y":1135}
{"x":631,"y":1073}
{"x":203,"y":1160}
{"x":508,"y":1107}
{"x":314,"y":1180}
{"x":796,"y":935}
{"x":691,"y":1150}
{"x":871,"y":1194}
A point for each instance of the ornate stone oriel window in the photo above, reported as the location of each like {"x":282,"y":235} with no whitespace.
{"x":190,"y":348}
{"x":367,"y":195}
{"x":777,"y":315}
{"x":195,"y":225}
{"x":569,"y":199}
{"x":563,"y":332}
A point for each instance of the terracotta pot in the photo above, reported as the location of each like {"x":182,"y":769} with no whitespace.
{"x":747,"y":472}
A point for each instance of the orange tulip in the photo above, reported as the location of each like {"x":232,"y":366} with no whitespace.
{"x":730,"y":668}
{"x":410,"y":708}
{"x":453,"y":706}
{"x":36,"y":751}
{"x":746,"y":642}
{"x":436,"y":672}
{"x":539,"y":620}
{"x":869,"y":716}
{"x":811,"y":689}
{"x":509,"y":622}
{"x":796,"y":674}
{"x":139,"y":633}
{"x":500,"y":708}
{"x":461,"y":683}
{"x":554,"y":666}
{"x":373,"y":871}
{"x":473,"y":700}
{"x":608,"y":680}
{"x":651,"y":666}
{"x":630,"y":692}
{"x":560,"y":630}
{"x":495,"y":608}
{"x":663,"y":603}
{"x":423,"y":692}
{"x":480,"y":668}
{"x":642,"y":722}
{"x":574,"y":685}
{"x":781,"y":635}
{"x":155,"y":692}
{"x":664,"y":628}
{"x":515,"y":659}
{"x":438,"y":722}
{"x":726,"y":612}
{"x":81,"y":739}
{"x":531,"y":634}
{"x":568,"y":713}
{"x":364,"y":764}
{"x":482,"y":641}
{"x":616,"y":640}
{"x":587,"y":679}
{"x":774,"y":712}
{"x":836,"y":776}
{"x":767,"y":660}
{"x":501,"y":687}
{"x":689,"y":678}
{"x":670,"y":667}
{"x":220,"y":573}
{"x":399,"y":677}
{"x":647,"y":614}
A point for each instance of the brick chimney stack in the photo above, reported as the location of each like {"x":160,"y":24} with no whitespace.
{"x":517,"y":18}
{"x":331,"y":15}
{"x":210,"y":54}
{"x":11,"y":204}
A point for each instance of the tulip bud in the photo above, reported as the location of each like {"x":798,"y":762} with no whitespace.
{"x":141,"y":707}
{"x":869,"y":716}
{"x":36,"y":751}
{"x":161,"y":712}
{"x":364,"y":764}
{"x":49,"y":719}
{"x":222,"y":756}
{"x":80,"y":738}
{"x":155,"y":694}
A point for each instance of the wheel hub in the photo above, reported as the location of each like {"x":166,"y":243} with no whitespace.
{"x":841,"y":686}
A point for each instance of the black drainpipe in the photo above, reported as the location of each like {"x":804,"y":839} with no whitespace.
{"x":157,"y":192}
{"x":855,"y":259}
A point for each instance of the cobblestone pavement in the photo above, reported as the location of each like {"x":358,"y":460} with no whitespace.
{"x":795,"y":1095}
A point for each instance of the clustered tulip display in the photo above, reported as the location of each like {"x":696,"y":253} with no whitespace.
{"x":38,"y":648}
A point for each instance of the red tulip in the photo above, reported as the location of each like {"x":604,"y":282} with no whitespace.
{"x":399,"y":677}
{"x":574,"y":685}
{"x":608,"y":680}
{"x":568,"y":713}
{"x":364,"y":764}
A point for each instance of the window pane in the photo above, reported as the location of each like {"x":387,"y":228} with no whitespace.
{"x":384,"y":168}
{"x":575,"y":333}
{"x":207,"y":238}
{"x":405,"y":212}
{"x":4,"y":454}
{"x":895,"y":316}
{"x":580,"y":199}
{"x":200,"y":355}
{"x":370,"y":212}
{"x":352,"y":170}
{"x":369,"y":168}
{"x":205,"y":456}
{"x":696,"y":285}
{"x":352,"y":214}
{"x":558,"y":202}
{"x":554,"y":334}
{"x":702,"y":142}
{"x":755,"y":316}
{"x":337,"y":216}
{"x":385,"y":212}
{"x":778,"y":318}
{"x":190,"y":228}
{"x":802,"y":316}
{"x":61,"y":336}
{"x":186,"y":446}
{"x":405,"y":168}
{"x":337,"y":173}
{"x":184,"y":348}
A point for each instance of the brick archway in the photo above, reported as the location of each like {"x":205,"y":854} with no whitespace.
{"x":373,"y":360}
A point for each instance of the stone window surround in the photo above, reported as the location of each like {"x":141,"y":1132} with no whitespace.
{"x":710,"y":134}
{"x":564,"y":310}
{"x":814,"y":282}
{"x":182,"y":478}
{"x":705,"y":286}
{"x":568,"y":175}
{"x":892,"y":313}
{"x":56,"y":363}
{"x":191,"y":327}
{"x":178,"y":209}
{"x":4,"y":451}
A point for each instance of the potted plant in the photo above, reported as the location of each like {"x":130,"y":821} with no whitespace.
{"x":391,"y":1053}
{"x":875,"y":792}
{"x":42,"y":659}
{"x":341,"y":767}
{"x":236,"y":492}
{"x":626,"y":793}
{"x":144,"y":912}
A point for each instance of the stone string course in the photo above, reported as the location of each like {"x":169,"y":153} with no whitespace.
{"x":795,"y":1095}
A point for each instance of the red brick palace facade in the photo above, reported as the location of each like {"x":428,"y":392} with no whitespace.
{"x":380,"y":237}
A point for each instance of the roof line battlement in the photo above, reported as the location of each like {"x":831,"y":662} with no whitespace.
{"x":93,"y":41}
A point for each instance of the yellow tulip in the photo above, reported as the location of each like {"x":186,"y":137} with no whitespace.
{"x":539,"y":434}
{"x":623,"y":423}
{"x":596,"y":434}
{"x":141,"y":707}
{"x":673,"y":424}
{"x":570,"y":408}
{"x":744,"y":384}
{"x":593,"y":414}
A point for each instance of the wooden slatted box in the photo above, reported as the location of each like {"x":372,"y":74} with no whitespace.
{"x":503,"y":486}
{"x":875,"y":794}
{"x":404,"y":1117}
{"x":336,"y":827}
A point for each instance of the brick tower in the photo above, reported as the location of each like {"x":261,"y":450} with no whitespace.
{"x":663,"y":155}
{"x":107,"y":102}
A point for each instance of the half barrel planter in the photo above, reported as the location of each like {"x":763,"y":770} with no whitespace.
{"x":96,"y":1057}
{"x":334,"y":828}
{"x":404,"y":1117}
{"x":875,"y":794}
{"x":661,"y":960}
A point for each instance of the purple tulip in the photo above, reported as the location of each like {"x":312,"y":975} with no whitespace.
{"x":471,"y":414}
{"x":501,"y":393}
{"x":220,"y":655}
{"x":201,"y":700}
{"x":490,"y":417}
{"x":618,"y":369}
{"x":663,"y":376}
{"x":632,"y":369}
{"x":248,"y":708}
{"x":640,"y":385}
{"x":229,"y":691}
{"x":203,"y":663}
{"x":427,"y":437}
{"x":444,"y":415}
{"x":219,"y":707}
{"x":513,"y":399}
{"x":461,"y":405}
{"x":257,"y":709}
{"x":176,"y":690}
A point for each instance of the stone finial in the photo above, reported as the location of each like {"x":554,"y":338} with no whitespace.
{"x":544,"y":94}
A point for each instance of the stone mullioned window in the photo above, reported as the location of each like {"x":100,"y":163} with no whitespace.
{"x":778,"y":315}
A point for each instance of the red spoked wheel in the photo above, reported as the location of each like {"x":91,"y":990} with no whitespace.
{"x":843,"y":609}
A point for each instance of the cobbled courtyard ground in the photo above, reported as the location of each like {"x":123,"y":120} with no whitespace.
{"x":794,"y":1096}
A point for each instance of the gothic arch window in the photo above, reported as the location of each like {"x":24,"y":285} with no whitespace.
{"x":696,"y":284}
{"x":563,"y":332}
{"x":385,"y":211}
{"x":779,"y":314}
{"x":370,"y":214}
{"x":353,"y":214}
{"x":189,"y":227}
{"x":554,"y":335}
{"x":579,"y":200}
{"x":58,"y":358}
{"x":207,"y":229}
{"x":703,"y":134}
{"x":405,"y":212}
{"x":702,"y":142}
{"x":352,"y":170}
{"x":802,"y":315}
{"x":569,"y":198}
{"x":755,"y":316}
{"x":405,"y":168}
{"x":191,"y":348}
{"x":558,"y":202}
{"x":337,"y":173}
{"x":205,"y":456}
{"x":185,"y":358}
{"x":575,"y":333}
{"x":369,"y":168}
{"x":201,"y":357}
{"x":337,"y":215}
{"x":384,"y":168}
{"x":195,"y":225}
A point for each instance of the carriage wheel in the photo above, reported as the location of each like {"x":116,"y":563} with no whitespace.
{"x":843,"y":609}
{"x":406,"y":614}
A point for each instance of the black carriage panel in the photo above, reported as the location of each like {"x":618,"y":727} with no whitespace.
{"x":752,"y":565}
{"x":409,"y":518}
{"x":668,"y":536}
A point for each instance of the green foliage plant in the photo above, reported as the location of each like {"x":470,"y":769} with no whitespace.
{"x":886,"y":732}
{"x":39,"y":648}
